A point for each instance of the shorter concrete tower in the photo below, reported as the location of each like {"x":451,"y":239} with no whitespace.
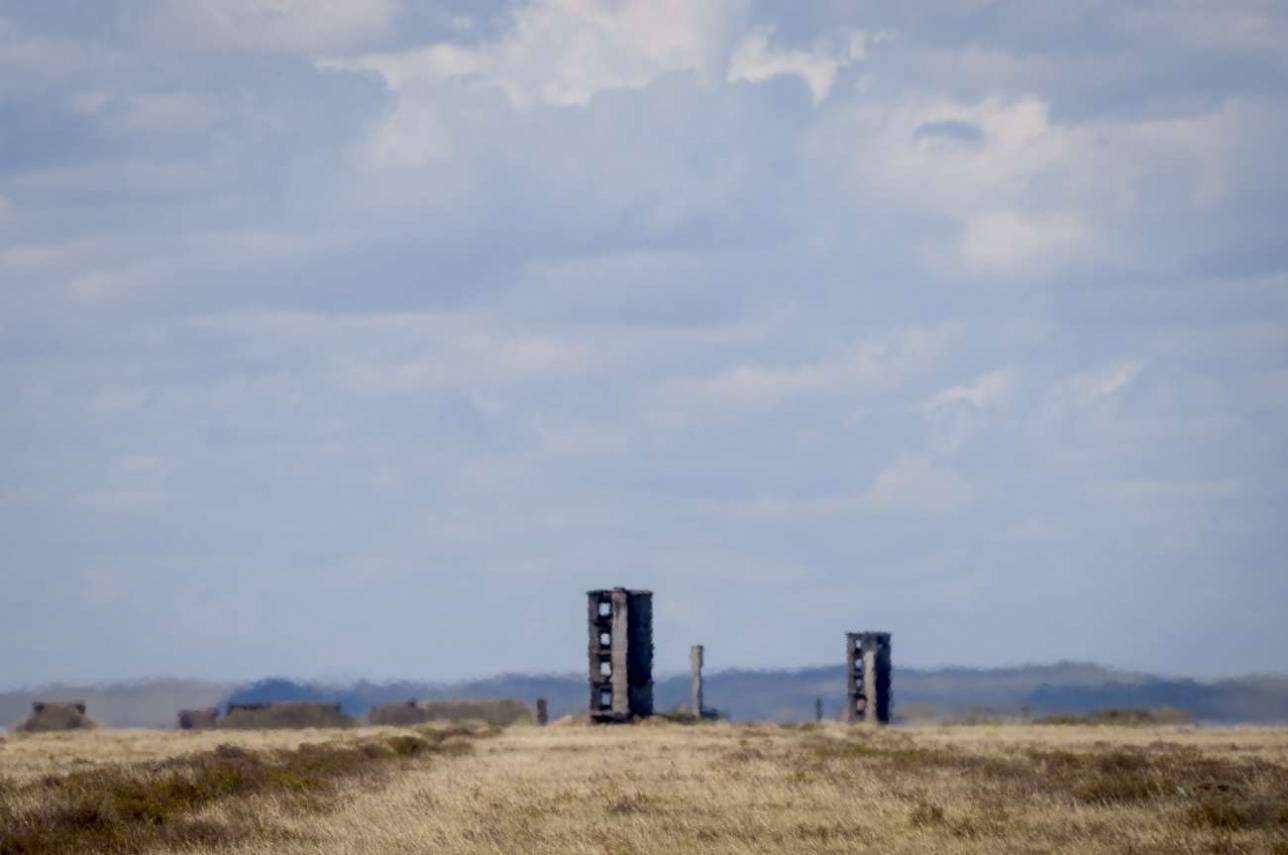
{"x":867,"y":672}
{"x":621,"y":654}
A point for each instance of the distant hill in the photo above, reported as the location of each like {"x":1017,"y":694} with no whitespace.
{"x":1065,"y":687}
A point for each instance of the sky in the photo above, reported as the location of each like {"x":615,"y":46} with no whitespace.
{"x":359,"y":338}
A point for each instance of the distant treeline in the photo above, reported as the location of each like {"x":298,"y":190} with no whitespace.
{"x":1042,"y":690}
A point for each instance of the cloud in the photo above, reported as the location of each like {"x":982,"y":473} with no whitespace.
{"x":871,"y":364}
{"x":950,"y":129}
{"x":564,"y":52}
{"x":1006,"y":243}
{"x":987,"y":390}
{"x":169,"y":113}
{"x":1091,"y":387}
{"x":30,"y":60}
{"x":917,"y":484}
{"x":402,"y":352}
{"x":294,"y":26}
{"x":914,"y":484}
{"x":123,"y":177}
{"x":478,"y":302}
{"x":1026,"y":195}
{"x":959,"y":412}
{"x":756,"y":61}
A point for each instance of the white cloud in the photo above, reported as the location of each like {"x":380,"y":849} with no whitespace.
{"x":959,"y":412}
{"x":917,"y":484}
{"x":170,"y":112}
{"x":389,"y":353}
{"x":755,"y":61}
{"x":304,"y":26}
{"x":554,"y":53}
{"x":563,"y":52}
{"x":469,"y":357}
{"x":1010,"y":244}
{"x":987,"y":390}
{"x":913,"y":484}
{"x":31,"y":59}
{"x":867,"y":365}
{"x":1092,"y":387}
{"x":136,"y":176}
{"x":887,"y":150}
{"x":1027,"y":194}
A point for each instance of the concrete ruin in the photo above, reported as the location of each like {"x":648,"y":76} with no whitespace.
{"x":284,"y":715}
{"x":202,"y":719}
{"x":620,"y":654}
{"x":697,"y":698}
{"x":695,"y":678}
{"x":867,"y":672}
{"x":52,"y":716}
{"x":39,"y":707}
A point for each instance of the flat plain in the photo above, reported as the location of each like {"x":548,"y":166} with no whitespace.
{"x":650,"y":787}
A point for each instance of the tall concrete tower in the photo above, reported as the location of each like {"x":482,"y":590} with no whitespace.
{"x":621,"y":654}
{"x":867,"y":671}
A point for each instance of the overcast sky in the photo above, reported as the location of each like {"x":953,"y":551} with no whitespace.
{"x":362,"y":337}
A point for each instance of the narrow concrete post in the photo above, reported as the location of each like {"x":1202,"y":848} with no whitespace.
{"x":818,"y":709}
{"x":543,"y":714}
{"x":695,"y":687}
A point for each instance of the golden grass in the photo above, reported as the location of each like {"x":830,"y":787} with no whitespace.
{"x":743,"y":788}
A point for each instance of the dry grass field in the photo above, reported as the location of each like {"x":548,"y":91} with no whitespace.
{"x":649,"y":788}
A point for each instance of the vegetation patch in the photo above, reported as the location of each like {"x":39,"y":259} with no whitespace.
{"x":1213,"y":793}
{"x":131,"y":809}
{"x":1128,"y":717}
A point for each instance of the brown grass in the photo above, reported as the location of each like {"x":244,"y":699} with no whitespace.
{"x":137,"y":808}
{"x":718,"y":788}
{"x":500,"y":713}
